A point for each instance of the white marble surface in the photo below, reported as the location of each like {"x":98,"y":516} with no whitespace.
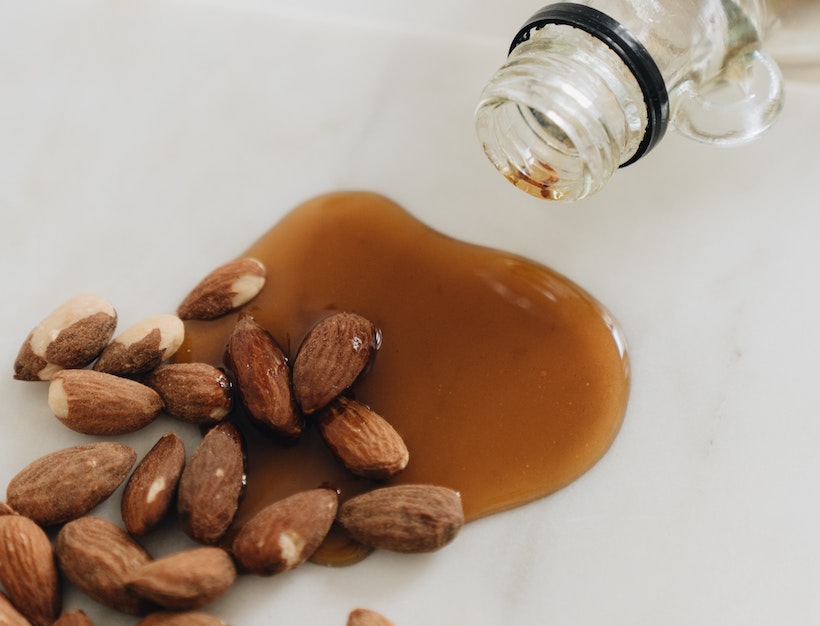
{"x":141,"y":141}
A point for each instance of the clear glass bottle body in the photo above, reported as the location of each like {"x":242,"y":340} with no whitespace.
{"x":565,"y":111}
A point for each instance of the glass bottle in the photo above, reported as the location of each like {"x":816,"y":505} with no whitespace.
{"x":591,"y":86}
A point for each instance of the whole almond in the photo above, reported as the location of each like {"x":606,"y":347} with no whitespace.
{"x":68,"y":483}
{"x":198,"y":393}
{"x":362,"y":440}
{"x":367,"y":617}
{"x":404,"y":518}
{"x":9,"y":615}
{"x":331,"y":357}
{"x":286,"y":533}
{"x":99,"y":557}
{"x":149,"y":493}
{"x":188,"y":618}
{"x":76,"y":617}
{"x":96,"y":403}
{"x":226,"y":288}
{"x":71,"y":336}
{"x":262,"y":378}
{"x":186,"y":580}
{"x":28,"y":571}
{"x":212,"y":484}
{"x":5,"y":509}
{"x":143,"y":346}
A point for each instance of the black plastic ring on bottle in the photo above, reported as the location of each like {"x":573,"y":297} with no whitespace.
{"x":627,"y":47}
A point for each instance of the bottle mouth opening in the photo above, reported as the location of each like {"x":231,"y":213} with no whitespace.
{"x":626,"y":46}
{"x":533,"y":150}
{"x":563,"y":138}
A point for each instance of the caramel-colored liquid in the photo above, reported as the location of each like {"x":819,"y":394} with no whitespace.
{"x":506,"y":380}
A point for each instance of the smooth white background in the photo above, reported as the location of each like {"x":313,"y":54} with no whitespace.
{"x":144,"y":142}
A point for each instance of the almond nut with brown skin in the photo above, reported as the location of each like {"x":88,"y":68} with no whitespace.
{"x":187,"y":618}
{"x":262,"y":377}
{"x":367,"y":617}
{"x":212,"y":484}
{"x":197,"y":393}
{"x":9,"y":615}
{"x":143,"y":346}
{"x":99,"y":557}
{"x":404,"y":518}
{"x":362,"y":440}
{"x":96,"y":403}
{"x":331,"y":357}
{"x":286,"y":533}
{"x":5,"y":509}
{"x":76,"y":617}
{"x":28,"y":571}
{"x":186,"y":580}
{"x":68,"y":483}
{"x":226,"y":288}
{"x":71,"y":336}
{"x":150,"y":491}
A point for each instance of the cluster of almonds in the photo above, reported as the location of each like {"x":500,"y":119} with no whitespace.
{"x":104,"y":386}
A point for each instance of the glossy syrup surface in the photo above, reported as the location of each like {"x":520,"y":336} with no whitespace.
{"x":506,"y":380}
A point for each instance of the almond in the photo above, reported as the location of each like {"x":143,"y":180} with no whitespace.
{"x":96,"y":403}
{"x":66,"y":484}
{"x":226,"y":288}
{"x":71,"y":336}
{"x":192,"y":618}
{"x":5,"y":509}
{"x":198,"y":393}
{"x":74,"y":618}
{"x":143,"y":346}
{"x":10,"y":616}
{"x":99,"y":557}
{"x":331,"y":357}
{"x":404,"y":518}
{"x":150,"y":491}
{"x":367,"y":617}
{"x":212,"y":484}
{"x":28,"y":571}
{"x":362,"y":440}
{"x":262,"y":378}
{"x":286,"y":533}
{"x":186,"y":580}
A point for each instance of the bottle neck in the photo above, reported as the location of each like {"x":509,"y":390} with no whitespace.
{"x":563,"y":114}
{"x":584,"y":92}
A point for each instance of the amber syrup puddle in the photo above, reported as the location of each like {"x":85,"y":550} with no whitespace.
{"x":506,"y":380}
